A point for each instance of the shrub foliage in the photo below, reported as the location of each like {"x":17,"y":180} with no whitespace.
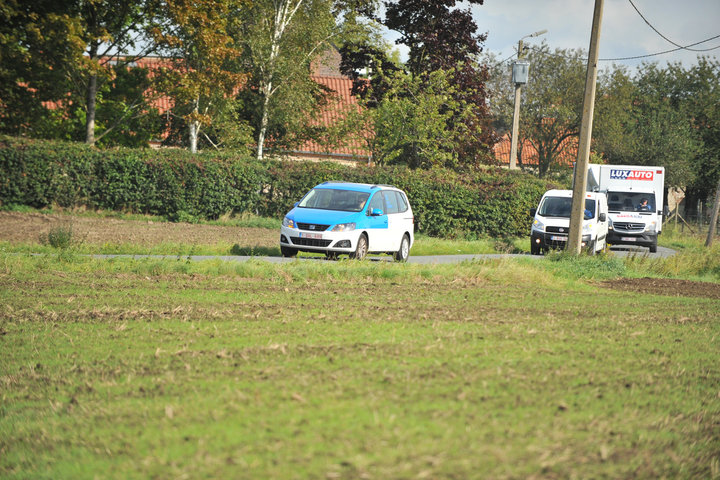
{"x":185,"y":187}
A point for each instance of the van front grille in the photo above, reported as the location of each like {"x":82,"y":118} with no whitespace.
{"x":629,"y":226}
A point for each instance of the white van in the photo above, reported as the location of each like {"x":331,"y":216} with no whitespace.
{"x":551,"y":222}
{"x":635,"y":202}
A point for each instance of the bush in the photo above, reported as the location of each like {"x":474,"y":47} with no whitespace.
{"x":185,"y":187}
{"x":58,"y":237}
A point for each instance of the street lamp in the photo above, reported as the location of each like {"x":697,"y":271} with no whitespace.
{"x":519,"y":78}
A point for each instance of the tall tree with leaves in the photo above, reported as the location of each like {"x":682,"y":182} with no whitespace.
{"x":551,"y":106}
{"x":440,"y":37}
{"x":410,"y":125}
{"x":110,"y":31}
{"x":645,"y":120}
{"x":29,"y":78}
{"x":207,"y":72}
{"x":281,"y":38}
{"x":695,"y":92}
{"x":59,"y":54}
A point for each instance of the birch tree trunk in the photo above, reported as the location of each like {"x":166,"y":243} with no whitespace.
{"x":284,"y":12}
{"x":194,"y":126}
{"x":263,"y":126}
{"x":91,"y":100}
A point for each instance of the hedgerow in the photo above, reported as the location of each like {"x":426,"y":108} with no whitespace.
{"x":181,"y":186}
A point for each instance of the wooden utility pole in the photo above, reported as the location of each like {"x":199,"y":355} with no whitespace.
{"x":583,"y":158}
{"x":516,"y":116}
{"x":518,"y":88}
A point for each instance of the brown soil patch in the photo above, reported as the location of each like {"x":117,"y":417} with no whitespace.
{"x":665,"y":286}
{"x":27,"y":227}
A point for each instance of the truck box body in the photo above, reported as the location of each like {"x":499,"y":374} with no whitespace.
{"x":551,"y":222}
{"x":635,"y":196}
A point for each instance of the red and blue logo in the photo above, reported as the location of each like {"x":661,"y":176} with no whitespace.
{"x":631,"y":174}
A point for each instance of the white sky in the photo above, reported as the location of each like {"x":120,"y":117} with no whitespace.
{"x":623,"y":32}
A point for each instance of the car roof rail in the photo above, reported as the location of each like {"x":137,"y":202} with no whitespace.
{"x":378,"y":185}
{"x":334,"y":181}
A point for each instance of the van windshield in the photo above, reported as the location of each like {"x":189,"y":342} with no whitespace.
{"x":334,"y":199}
{"x":631,"y":202}
{"x":561,"y":206}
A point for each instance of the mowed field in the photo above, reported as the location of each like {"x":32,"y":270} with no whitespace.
{"x":508,"y":368}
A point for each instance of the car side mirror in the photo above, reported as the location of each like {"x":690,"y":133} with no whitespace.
{"x":533,"y":211}
{"x":602,"y":217}
{"x":376,"y":212}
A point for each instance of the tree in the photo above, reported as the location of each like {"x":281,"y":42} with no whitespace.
{"x":207,"y":72}
{"x":440,"y":37}
{"x":109,"y":31}
{"x":410,"y":125}
{"x":696,"y":93}
{"x":57,"y":56}
{"x":642,"y":122}
{"x":551,"y":105}
{"x":36,"y":43}
{"x":281,"y":38}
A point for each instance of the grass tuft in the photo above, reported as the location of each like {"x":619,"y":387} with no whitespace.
{"x":60,"y":237}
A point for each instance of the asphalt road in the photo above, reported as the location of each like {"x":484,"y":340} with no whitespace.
{"x":621,"y":251}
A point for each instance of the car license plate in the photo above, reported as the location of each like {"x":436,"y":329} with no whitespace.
{"x":316,"y":236}
{"x":558,"y":238}
{"x":628,"y":239}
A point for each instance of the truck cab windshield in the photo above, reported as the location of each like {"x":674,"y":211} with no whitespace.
{"x":561,"y":206}
{"x":631,"y":202}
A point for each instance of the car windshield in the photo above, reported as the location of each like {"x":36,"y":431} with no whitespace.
{"x":334,"y":199}
{"x":561,"y":206}
{"x":631,"y":202}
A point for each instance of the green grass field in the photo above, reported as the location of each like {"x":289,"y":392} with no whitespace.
{"x":352,"y":370}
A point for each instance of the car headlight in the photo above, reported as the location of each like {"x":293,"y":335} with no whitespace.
{"x":538,"y":225}
{"x":650,"y":227}
{"x":343,"y":227}
{"x":287,"y":222}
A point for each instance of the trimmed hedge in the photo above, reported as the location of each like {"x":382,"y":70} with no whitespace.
{"x":180,"y":186}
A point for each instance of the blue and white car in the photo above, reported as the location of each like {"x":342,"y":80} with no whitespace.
{"x":350,"y":218}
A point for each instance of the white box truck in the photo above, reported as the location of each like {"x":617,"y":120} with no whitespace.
{"x":635,"y":202}
{"x":551,"y":222}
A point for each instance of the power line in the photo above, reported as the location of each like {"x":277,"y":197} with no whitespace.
{"x":680,"y":47}
{"x":637,"y":57}
{"x":686,"y":47}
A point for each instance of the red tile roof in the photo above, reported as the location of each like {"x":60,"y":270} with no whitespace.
{"x":528,"y":154}
{"x":339,"y":103}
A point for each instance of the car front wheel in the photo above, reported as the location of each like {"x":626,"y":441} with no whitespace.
{"x":404,"y":252}
{"x":361,"y":249}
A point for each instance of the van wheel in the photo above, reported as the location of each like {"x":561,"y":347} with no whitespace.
{"x":361,"y":249}
{"x":535,"y":248}
{"x":404,"y":252}
{"x":288,"y":252}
